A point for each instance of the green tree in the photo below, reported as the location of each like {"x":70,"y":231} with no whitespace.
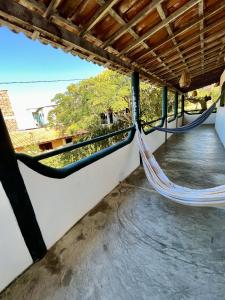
{"x":80,"y":106}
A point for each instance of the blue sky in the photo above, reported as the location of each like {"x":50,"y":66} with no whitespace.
{"x":25,"y":60}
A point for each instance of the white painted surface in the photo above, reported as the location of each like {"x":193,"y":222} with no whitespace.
{"x":190,"y":118}
{"x":14,"y":256}
{"x":220,"y":117}
{"x":60,"y":203}
{"x":155,"y":139}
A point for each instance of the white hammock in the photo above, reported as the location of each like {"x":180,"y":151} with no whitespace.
{"x":186,"y":196}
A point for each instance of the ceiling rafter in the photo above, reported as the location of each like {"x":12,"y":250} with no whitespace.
{"x":132,"y":22}
{"x":186,"y":41}
{"x":218,"y":8}
{"x":98,"y":16}
{"x":170,"y":32}
{"x":201,"y":13}
{"x":221,"y":51}
{"x":131,"y":31}
{"x":211,"y":48}
{"x":46,"y":14}
{"x":156,"y":28}
{"x":211,"y":40}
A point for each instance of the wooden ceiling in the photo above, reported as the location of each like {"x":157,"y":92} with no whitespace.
{"x":160,"y":39}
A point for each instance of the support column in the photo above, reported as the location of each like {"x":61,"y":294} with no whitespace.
{"x":176,"y":106}
{"x":16,"y":192}
{"x":135,"y":87}
{"x":182,"y":108}
{"x":164,"y":107}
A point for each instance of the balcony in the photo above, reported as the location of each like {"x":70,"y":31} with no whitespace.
{"x":136,"y":244}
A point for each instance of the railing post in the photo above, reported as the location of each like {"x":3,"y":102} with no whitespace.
{"x":135,"y":87}
{"x":182,"y":107}
{"x":164,"y":107}
{"x":176,"y":106}
{"x":15,"y":189}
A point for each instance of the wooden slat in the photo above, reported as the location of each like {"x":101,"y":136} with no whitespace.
{"x":132,"y":22}
{"x":209,"y":67}
{"x":133,"y":33}
{"x":221,"y":51}
{"x":156,"y":28}
{"x":216,"y":9}
{"x":170,"y":32}
{"x":201,"y":13}
{"x":51,"y":8}
{"x":196,"y":55}
{"x":209,"y":40}
{"x":98,"y":16}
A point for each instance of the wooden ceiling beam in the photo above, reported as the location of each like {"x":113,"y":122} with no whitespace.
{"x":170,"y":32}
{"x":33,"y":5}
{"x":221,"y":51}
{"x":51,"y":8}
{"x":120,"y":20}
{"x":216,"y":9}
{"x":132,"y":22}
{"x":201,"y":13}
{"x":179,"y":64}
{"x":210,"y":67}
{"x":187,"y":40}
{"x":46,"y":14}
{"x":195,"y":68}
{"x":179,"y":68}
{"x":212,"y":41}
{"x":211,"y":48}
{"x":98,"y":16}
{"x":156,"y":28}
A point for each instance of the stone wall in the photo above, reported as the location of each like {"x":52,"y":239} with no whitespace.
{"x":7,"y":111}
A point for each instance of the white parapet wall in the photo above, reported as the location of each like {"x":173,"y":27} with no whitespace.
{"x":220,"y":117}
{"x":156,"y":138}
{"x":15,"y":257}
{"x":190,"y":118}
{"x":60,"y":203}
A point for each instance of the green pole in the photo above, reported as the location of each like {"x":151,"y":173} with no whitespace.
{"x":176,"y":106}
{"x":164,"y":107}
{"x":135,"y":87}
{"x":15,"y":189}
{"x":182,"y":108}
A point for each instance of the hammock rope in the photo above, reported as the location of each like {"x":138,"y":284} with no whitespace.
{"x":160,"y":182}
{"x":197,"y":122}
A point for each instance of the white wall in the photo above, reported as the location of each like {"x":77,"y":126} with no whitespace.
{"x":190,"y":118}
{"x":220,"y":117}
{"x":155,"y":139}
{"x":60,"y":203}
{"x":14,"y":256}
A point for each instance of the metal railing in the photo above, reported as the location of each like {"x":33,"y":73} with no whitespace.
{"x":197,"y":111}
{"x":34,"y":162}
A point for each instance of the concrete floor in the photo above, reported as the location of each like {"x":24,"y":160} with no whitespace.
{"x":138,"y":245}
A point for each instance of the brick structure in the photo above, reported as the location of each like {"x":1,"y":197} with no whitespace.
{"x":7,"y":111}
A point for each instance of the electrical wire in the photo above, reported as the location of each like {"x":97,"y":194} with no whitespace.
{"x":41,"y":81}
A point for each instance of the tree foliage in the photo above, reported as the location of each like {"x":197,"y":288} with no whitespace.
{"x":80,"y":106}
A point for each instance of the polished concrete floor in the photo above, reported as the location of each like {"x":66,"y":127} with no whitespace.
{"x":139,"y":245}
